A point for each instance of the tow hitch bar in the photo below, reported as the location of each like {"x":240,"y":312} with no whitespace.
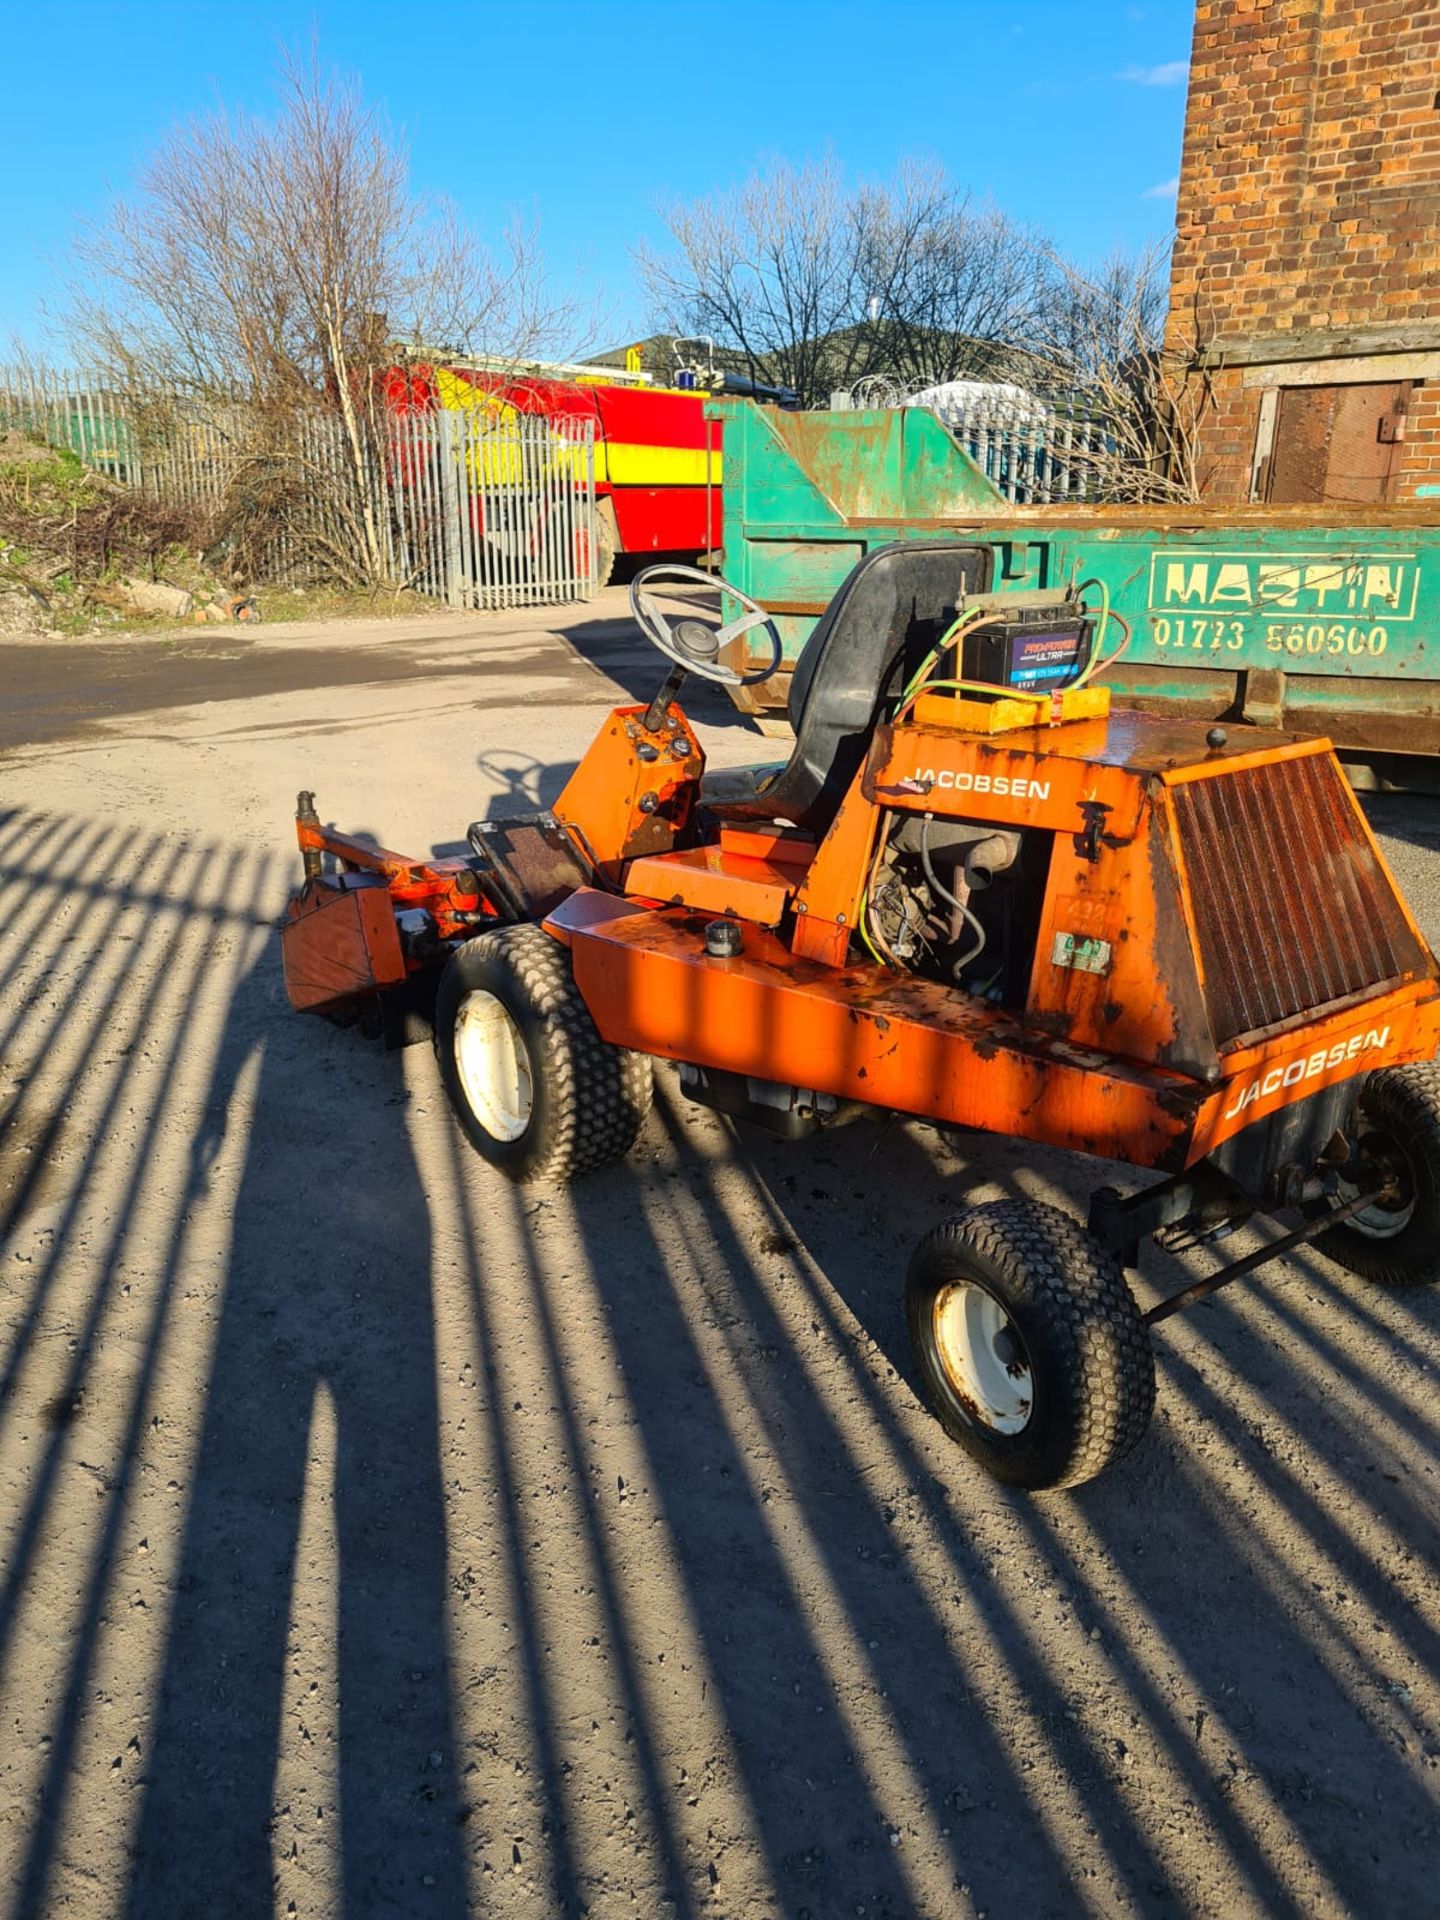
{"x":1318,"y":1224}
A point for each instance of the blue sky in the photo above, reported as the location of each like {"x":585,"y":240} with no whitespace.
{"x":1066,"y":113}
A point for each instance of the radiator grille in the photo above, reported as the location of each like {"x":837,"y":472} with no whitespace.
{"x":1292,"y":908}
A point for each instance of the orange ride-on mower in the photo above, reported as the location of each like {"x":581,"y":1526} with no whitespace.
{"x":973,"y":895}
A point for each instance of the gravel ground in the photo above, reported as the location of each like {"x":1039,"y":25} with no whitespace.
{"x":377,"y":1538}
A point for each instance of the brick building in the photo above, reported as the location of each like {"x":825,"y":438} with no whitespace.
{"x":1306,"y":277}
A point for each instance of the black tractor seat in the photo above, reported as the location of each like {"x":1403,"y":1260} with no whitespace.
{"x":885,"y":617}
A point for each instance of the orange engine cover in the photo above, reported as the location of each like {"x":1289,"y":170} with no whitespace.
{"x":1209,"y":933}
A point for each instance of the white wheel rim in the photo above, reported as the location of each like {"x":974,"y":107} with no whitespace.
{"x":983,"y":1357}
{"x":494,"y":1066}
{"x":1377,"y":1222}
{"x":1381,"y":1222}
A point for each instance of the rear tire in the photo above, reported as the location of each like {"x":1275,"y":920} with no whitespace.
{"x":1397,"y":1245}
{"x":538,"y":1093}
{"x":1031,"y":1350}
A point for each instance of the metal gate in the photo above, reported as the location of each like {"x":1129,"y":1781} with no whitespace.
{"x":477,"y":508}
{"x":493,"y":513}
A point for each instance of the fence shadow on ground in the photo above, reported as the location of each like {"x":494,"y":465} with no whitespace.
{"x":382,"y":1538}
{"x":326,"y":1298}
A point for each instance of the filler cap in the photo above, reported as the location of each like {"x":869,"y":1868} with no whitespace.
{"x":724,"y":939}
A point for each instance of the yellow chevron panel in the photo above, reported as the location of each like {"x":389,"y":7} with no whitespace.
{"x":459,"y":396}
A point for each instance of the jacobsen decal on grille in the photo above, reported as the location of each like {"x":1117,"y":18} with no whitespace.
{"x":1308,"y":1066}
{"x":1372,"y":586}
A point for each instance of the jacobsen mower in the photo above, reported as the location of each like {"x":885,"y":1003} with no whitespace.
{"x":974,"y":895}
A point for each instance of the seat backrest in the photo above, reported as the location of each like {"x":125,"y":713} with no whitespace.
{"x":886,"y":616}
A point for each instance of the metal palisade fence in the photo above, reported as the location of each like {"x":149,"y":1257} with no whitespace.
{"x":163,"y":444}
{"x":480,"y":508}
{"x":1035,"y":451}
{"x":1035,"y":456}
{"x":492,"y":512}
{"x":69,"y":409}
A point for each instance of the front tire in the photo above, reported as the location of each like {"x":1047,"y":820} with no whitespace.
{"x":536,"y":1090}
{"x":1397,"y":1243}
{"x":1031,"y":1351}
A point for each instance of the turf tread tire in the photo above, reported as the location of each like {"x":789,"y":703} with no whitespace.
{"x":1091,"y":1362}
{"x":1405,"y":1103}
{"x":591,"y":1098}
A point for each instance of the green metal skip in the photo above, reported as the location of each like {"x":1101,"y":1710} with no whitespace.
{"x":1322,"y":619}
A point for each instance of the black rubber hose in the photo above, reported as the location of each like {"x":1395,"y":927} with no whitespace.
{"x":945,"y":894}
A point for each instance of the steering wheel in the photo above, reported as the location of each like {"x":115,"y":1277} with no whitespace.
{"x":695,"y":644}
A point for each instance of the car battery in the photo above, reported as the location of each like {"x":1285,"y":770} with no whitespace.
{"x":1029,"y":649}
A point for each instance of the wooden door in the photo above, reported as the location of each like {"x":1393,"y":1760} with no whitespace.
{"x":1337,"y":443}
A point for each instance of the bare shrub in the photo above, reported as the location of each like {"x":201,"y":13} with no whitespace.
{"x":1101,"y":340}
{"x":127,"y":532}
{"x":63,"y":516}
{"x":265,"y":273}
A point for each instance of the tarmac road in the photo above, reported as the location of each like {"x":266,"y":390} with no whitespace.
{"x":377,"y":1538}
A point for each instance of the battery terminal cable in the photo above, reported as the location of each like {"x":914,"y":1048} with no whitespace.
{"x":923,"y":682}
{"x":1098,"y":662}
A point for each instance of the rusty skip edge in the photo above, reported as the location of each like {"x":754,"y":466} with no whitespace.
{"x":1405,"y":516}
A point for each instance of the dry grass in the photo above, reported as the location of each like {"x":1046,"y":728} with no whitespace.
{"x":58,"y":518}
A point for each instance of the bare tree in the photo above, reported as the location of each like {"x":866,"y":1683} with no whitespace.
{"x":813,"y":284}
{"x":949,"y":286}
{"x":282,"y":266}
{"x":767,"y":271}
{"x":1101,"y":338}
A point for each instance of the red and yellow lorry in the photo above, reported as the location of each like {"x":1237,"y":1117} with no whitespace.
{"x":657,"y":458}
